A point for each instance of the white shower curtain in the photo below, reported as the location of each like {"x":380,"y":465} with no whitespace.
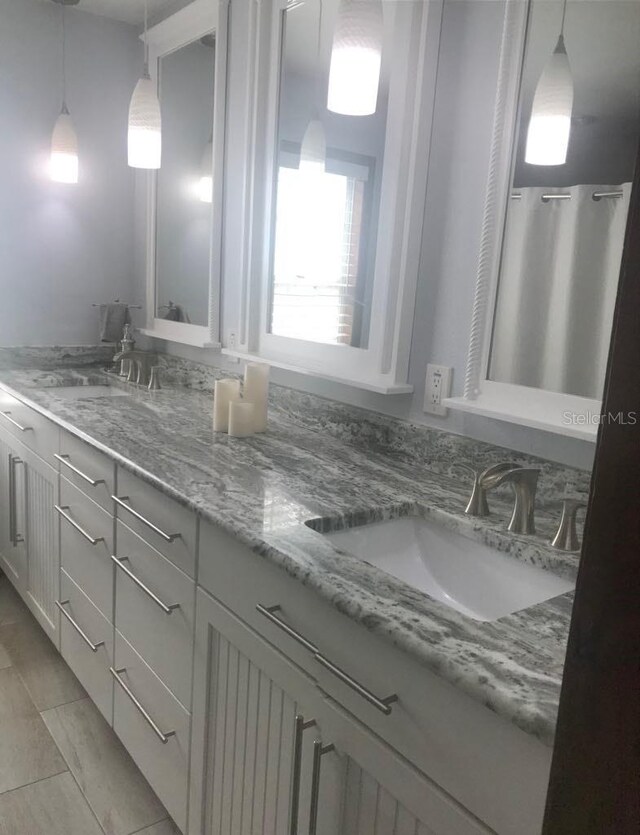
{"x":557,"y":288}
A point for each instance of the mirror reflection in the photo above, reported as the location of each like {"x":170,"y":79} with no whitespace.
{"x":574,"y":162}
{"x":327,"y":182}
{"x":185,"y":183}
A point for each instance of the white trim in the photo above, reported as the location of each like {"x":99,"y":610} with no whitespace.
{"x":550,"y":411}
{"x":379,"y":385}
{"x":401,"y":217}
{"x":498,"y":186}
{"x":199,"y":18}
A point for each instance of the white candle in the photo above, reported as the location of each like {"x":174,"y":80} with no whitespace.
{"x":225,"y":391}
{"x":256,"y":391}
{"x":241,"y":419}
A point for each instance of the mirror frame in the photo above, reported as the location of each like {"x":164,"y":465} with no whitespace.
{"x":523,"y":405}
{"x":382,"y":366}
{"x":185,"y":26}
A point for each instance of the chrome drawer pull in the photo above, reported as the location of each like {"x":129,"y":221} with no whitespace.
{"x":141,"y":585}
{"x":64,"y":459}
{"x":163,"y":736}
{"x":93,"y":647}
{"x":319,"y":750}
{"x":268,"y":612}
{"x":92,"y":539}
{"x":383,"y":705}
{"x":7,"y":416}
{"x":14,"y":537}
{"x":300,"y":727}
{"x":121,"y":502}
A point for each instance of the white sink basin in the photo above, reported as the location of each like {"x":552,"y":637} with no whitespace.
{"x":86,"y":392}
{"x":466,"y":575}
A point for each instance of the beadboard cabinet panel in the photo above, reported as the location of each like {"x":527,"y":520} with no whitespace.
{"x":43,"y":542}
{"x":246,"y":778}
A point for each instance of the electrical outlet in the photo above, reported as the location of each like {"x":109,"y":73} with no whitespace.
{"x":233,"y":342}
{"x":437,"y":387}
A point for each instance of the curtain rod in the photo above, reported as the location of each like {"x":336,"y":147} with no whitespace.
{"x":597,"y":195}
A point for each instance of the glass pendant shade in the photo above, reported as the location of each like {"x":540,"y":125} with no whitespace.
{"x":356,"y":55}
{"x":145,"y":126}
{"x":205,"y":184}
{"x":64,"y":150}
{"x":313,"y":151}
{"x":550,"y":123}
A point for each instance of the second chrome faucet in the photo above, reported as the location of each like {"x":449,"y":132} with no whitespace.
{"x":524,"y":481}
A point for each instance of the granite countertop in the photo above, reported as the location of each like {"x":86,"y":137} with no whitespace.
{"x":263,"y":489}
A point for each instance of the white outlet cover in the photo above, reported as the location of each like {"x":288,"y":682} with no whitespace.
{"x":437,"y":388}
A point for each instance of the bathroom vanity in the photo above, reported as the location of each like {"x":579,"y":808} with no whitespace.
{"x":264,"y":678}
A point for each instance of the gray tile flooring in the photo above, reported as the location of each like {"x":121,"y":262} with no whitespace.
{"x":62,"y":769}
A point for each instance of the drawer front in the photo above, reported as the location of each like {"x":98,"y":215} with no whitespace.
{"x":86,"y":644}
{"x":86,"y":468}
{"x":163,"y":523}
{"x":89,"y":565}
{"x":161,"y":634}
{"x":460,"y":744}
{"x":164,"y":764}
{"x":35,"y":431}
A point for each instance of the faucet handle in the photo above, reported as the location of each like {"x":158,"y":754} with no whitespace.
{"x":477,"y":504}
{"x":566,"y":538}
{"x":154,"y":380}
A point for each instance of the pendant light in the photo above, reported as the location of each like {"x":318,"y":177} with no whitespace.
{"x":63,"y":166}
{"x":145,"y":123}
{"x":356,"y":56}
{"x":550,"y":123}
{"x":313,"y":151}
{"x":205,"y":184}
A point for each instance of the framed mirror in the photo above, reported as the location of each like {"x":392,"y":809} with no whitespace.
{"x":564,"y":155}
{"x":329,"y":261}
{"x":187,"y":61}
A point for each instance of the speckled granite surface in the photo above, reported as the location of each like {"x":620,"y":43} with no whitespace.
{"x":263,"y":489}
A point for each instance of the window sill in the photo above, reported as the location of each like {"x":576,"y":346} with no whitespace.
{"x":379,"y":385}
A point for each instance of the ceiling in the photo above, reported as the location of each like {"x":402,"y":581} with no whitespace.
{"x":130,"y":11}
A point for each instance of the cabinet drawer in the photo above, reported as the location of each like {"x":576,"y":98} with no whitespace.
{"x":86,"y":644}
{"x":165,"y":524}
{"x":155,"y":611}
{"x":460,"y":744}
{"x":162,"y":759}
{"x":89,"y":565}
{"x":34,"y":430}
{"x":86,"y":468}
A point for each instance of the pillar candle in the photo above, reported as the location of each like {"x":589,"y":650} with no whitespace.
{"x":225,"y":391}
{"x":256,"y":391}
{"x":241,"y":419}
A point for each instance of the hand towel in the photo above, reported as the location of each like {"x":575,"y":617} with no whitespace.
{"x":113,"y":318}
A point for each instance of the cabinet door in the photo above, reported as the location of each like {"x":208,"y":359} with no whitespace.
{"x":42,"y":534}
{"x":12,"y":511}
{"x":361,"y":786}
{"x":250,"y":748}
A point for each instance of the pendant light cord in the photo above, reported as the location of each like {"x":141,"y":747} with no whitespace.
{"x":318,"y":50}
{"x":64,"y":62}
{"x":146,"y":39}
{"x":564,"y":14}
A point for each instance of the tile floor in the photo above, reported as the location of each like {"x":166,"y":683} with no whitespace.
{"x":62,"y":769}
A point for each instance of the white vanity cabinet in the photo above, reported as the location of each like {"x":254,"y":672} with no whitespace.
{"x":273,"y":754}
{"x":30,"y":546}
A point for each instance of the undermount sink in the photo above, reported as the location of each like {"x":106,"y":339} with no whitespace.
{"x":87,"y":392}
{"x":470,"y":577}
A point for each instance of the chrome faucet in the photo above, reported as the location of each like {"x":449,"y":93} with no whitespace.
{"x":139,"y":365}
{"x":566,"y":538}
{"x":524,"y":481}
{"x":134,"y":364}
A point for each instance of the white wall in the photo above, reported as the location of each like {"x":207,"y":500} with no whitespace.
{"x":63,"y":247}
